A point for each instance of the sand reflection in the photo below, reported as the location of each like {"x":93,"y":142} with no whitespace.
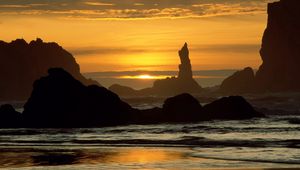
{"x":55,"y":157}
{"x":141,"y":155}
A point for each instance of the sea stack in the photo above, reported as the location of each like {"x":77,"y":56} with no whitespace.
{"x":185,"y":68}
{"x":171,"y":86}
{"x":183,"y":83}
{"x":280,"y":50}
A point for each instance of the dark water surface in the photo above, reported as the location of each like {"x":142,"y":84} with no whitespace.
{"x":272,"y":142}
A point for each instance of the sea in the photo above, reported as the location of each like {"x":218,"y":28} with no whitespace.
{"x":272,"y":142}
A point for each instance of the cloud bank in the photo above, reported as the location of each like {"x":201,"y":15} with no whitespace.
{"x":131,"y":9}
{"x":209,"y":48}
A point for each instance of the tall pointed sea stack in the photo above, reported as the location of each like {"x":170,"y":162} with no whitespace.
{"x":185,"y":68}
{"x":184,"y":83}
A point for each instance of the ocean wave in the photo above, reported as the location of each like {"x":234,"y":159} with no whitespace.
{"x":189,"y":141}
{"x":277,"y":161}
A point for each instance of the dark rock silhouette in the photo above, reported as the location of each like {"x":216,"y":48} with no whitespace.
{"x":182,"y":108}
{"x":230,"y":108}
{"x":9,"y":117}
{"x":280,"y":50}
{"x":21,"y":63}
{"x":123,"y":90}
{"x":185,"y":68}
{"x":280,"y":53}
{"x":59,"y":100}
{"x":183,"y":83}
{"x":240,"y":82}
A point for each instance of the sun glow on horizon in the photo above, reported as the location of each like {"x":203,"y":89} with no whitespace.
{"x":145,"y":77}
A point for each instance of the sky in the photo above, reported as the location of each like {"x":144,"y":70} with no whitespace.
{"x":119,"y":35}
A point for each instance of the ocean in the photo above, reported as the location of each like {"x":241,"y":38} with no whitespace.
{"x":261,"y":143}
{"x":144,"y":79}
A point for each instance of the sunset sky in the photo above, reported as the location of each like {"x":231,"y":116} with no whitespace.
{"x":118,"y":35}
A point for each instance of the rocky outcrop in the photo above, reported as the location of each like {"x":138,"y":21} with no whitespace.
{"x":185,"y":68}
{"x":183,"y":107}
{"x":230,"y":108}
{"x":238,"y":83}
{"x":280,"y":50}
{"x":9,"y":117}
{"x":280,"y":53}
{"x":123,"y":90}
{"x":21,"y":63}
{"x":183,"y":83}
{"x":59,"y":100}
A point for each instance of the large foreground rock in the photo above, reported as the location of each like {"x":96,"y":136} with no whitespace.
{"x":59,"y":100}
{"x":21,"y":63}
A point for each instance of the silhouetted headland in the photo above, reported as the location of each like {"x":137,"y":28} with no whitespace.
{"x":21,"y":63}
{"x":59,"y":100}
{"x":280,"y":54}
{"x":238,"y":83}
{"x":183,"y":83}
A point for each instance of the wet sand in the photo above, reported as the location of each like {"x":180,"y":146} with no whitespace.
{"x":76,"y":157}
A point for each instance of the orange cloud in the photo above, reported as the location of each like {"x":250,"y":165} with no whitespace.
{"x":129,"y":9}
{"x":99,"y":4}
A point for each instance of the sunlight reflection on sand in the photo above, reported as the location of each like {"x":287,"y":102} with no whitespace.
{"x":41,"y":157}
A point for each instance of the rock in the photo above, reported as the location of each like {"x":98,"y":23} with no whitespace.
{"x":182,"y":108}
{"x":59,"y":100}
{"x":9,"y":117}
{"x":185,"y":68}
{"x":238,"y":83}
{"x":280,"y":50}
{"x":123,"y":90}
{"x":294,"y":121}
{"x":184,"y":83}
{"x":230,"y":108}
{"x":21,"y":63}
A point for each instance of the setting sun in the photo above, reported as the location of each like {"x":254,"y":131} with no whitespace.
{"x":145,"y":77}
